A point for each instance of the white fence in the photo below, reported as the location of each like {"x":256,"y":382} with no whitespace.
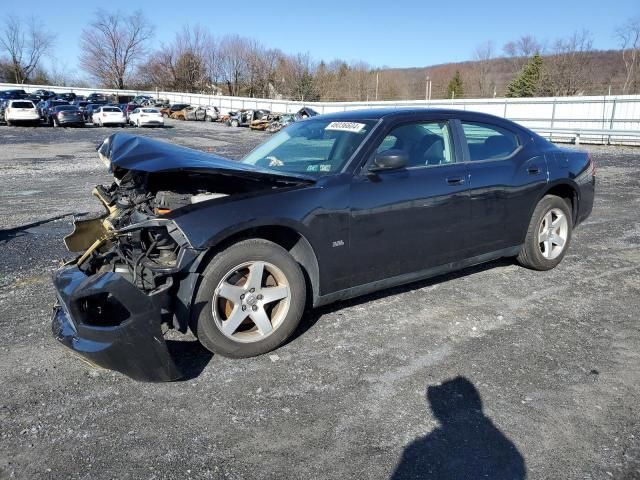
{"x":553,"y":115}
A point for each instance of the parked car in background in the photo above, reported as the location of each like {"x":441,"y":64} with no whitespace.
{"x":89,"y":111}
{"x":13,"y":94}
{"x":3,"y":105}
{"x":67,"y":116}
{"x":100,"y":98}
{"x":81,"y":104}
{"x":146,"y":117}
{"x":127,"y":108}
{"x":143,"y":100}
{"x":21,"y":111}
{"x":331,"y":208}
{"x":108,"y":115}
{"x":44,"y":94}
{"x":46,"y":108}
{"x":68,"y":97}
{"x":167,"y":111}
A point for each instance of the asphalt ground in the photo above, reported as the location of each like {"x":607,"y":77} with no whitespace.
{"x":492,"y":372}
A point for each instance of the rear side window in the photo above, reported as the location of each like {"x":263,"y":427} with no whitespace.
{"x":487,"y":142}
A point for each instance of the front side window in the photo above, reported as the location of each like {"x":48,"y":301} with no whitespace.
{"x":487,"y":142}
{"x":426,"y":143}
{"x":312,"y":147}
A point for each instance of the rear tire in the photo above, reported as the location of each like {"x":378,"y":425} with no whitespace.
{"x":219,"y":307}
{"x":548,"y":236}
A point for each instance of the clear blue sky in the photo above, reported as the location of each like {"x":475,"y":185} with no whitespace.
{"x":397,"y":33}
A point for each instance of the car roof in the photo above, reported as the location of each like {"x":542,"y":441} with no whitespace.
{"x":398,"y":112}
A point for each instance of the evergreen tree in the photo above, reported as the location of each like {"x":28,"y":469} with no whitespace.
{"x":530,"y":80}
{"x":456,"y":87}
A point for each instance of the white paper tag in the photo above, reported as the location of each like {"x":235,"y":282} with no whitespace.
{"x":346,"y":126}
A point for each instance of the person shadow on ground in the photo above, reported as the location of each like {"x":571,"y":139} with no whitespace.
{"x":466,"y":445}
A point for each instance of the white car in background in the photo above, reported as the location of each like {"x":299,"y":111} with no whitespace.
{"x":108,"y":115}
{"x":146,"y":117}
{"x":21,"y":111}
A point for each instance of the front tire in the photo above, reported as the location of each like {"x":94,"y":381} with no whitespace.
{"x":548,"y":235}
{"x":251,"y":299}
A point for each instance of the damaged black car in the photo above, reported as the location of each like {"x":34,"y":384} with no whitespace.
{"x":330,"y":208}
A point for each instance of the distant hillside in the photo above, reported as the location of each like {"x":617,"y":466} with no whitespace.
{"x":594,"y":72}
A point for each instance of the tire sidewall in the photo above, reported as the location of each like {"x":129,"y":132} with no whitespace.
{"x":531,"y":244}
{"x":203,"y":324}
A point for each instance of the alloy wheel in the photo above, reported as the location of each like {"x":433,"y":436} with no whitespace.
{"x":251,"y":301}
{"x":553,"y":233}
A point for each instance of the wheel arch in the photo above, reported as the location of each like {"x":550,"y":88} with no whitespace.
{"x":568,"y":192}
{"x":285,"y":236}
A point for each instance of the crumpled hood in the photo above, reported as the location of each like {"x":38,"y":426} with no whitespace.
{"x":124,"y":152}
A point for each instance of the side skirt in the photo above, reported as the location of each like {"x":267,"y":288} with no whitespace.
{"x":414,"y":276}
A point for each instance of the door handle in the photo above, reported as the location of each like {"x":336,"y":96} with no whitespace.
{"x":455,"y":180}
{"x":533,"y":171}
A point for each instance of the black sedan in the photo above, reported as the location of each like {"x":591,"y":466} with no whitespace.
{"x":66,"y":116}
{"x":330,"y":208}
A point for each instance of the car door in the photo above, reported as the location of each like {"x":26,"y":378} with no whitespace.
{"x":506,"y":176}
{"x":410,"y":219}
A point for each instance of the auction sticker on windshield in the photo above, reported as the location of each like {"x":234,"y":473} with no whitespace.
{"x":346,"y":126}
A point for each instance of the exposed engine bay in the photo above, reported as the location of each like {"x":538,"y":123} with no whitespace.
{"x":135,"y":237}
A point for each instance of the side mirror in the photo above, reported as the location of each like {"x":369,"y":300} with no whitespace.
{"x":390,"y":160}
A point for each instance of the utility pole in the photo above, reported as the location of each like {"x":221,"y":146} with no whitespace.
{"x":377,"y":81}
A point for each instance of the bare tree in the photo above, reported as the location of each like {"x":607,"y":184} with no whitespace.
{"x":483,"y":56}
{"x":568,"y":68}
{"x":521,"y":50}
{"x":112,"y":46}
{"x":233,"y":62}
{"x":629,"y":37}
{"x":25,"y":42}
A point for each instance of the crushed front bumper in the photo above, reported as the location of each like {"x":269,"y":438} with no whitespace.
{"x":110,"y":322}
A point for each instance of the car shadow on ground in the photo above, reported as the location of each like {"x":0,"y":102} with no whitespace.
{"x":11,"y":233}
{"x":190,"y":357}
{"x":313,"y":316}
{"x":466,"y":444}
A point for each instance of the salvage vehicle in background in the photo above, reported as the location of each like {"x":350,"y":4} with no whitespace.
{"x":146,"y":117}
{"x":21,"y":111}
{"x":66,"y":116}
{"x":281,"y":121}
{"x":244,"y":118}
{"x":99,"y":98}
{"x":330,"y":208}
{"x":167,"y":111}
{"x":108,"y":115}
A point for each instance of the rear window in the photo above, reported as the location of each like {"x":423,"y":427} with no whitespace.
{"x":150,"y":110}
{"x":111,"y":109}
{"x":22,"y":105}
{"x":65,"y":108}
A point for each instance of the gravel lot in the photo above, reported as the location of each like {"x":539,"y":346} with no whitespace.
{"x":382,"y":386}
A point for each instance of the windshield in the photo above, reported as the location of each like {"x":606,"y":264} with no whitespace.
{"x":313,"y":147}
